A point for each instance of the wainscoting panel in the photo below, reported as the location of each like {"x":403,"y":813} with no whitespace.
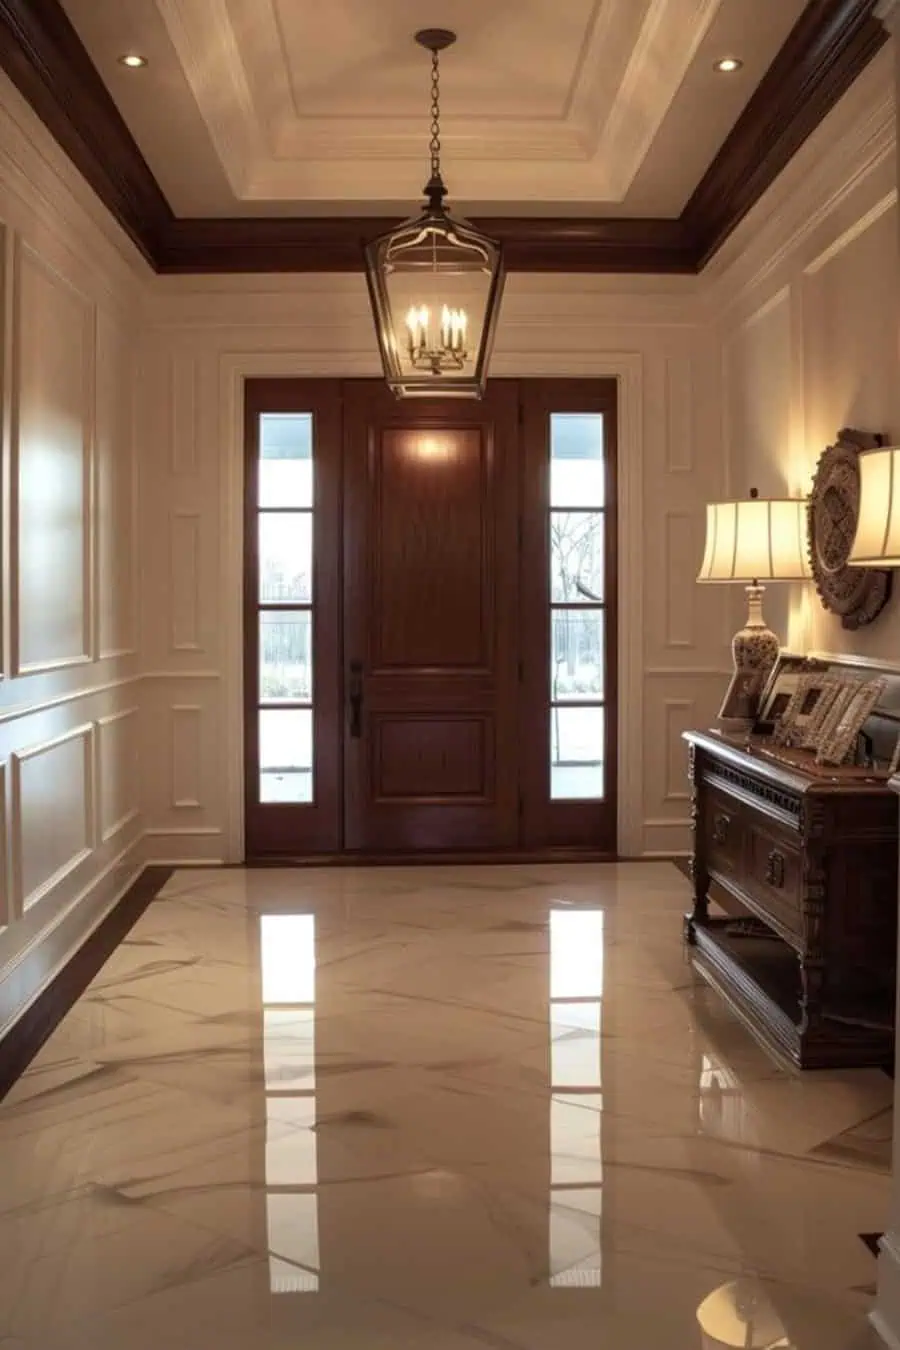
{"x":184,"y":574}
{"x":118,"y":781}
{"x":187,"y":749}
{"x":52,"y":814}
{"x":52,"y":440}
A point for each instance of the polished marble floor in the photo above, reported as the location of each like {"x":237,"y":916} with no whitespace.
{"x":446,"y":1108}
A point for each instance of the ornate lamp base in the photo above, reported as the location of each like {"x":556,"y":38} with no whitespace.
{"x":754,"y":649}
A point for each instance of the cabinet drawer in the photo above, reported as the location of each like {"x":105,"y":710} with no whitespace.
{"x":723,"y":831}
{"x":774,"y":875}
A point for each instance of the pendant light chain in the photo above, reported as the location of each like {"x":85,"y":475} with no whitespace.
{"x":435,"y":115}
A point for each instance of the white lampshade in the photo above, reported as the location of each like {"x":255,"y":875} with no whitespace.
{"x":755,"y":540}
{"x":877,"y":541}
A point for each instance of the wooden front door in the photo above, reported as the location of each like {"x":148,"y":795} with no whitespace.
{"x":429,"y":619}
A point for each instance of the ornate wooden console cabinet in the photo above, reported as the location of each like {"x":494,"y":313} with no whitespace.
{"x":802,"y":866}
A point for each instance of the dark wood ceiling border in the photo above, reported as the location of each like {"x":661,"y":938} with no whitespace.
{"x":334,"y":244}
{"x":830,"y":45}
{"x":827,"y":49}
{"x":44,"y":57}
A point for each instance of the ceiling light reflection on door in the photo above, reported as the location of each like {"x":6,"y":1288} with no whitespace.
{"x":435,"y":283}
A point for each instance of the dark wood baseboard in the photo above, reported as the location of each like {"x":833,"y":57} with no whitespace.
{"x":20,"y":1045}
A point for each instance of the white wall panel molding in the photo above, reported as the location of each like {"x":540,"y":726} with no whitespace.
{"x":336,"y":316}
{"x":53,"y":814}
{"x":51,"y":537}
{"x":34,"y":709}
{"x":680,"y":715}
{"x":184,"y":581}
{"x":850,"y":235}
{"x":184,"y":408}
{"x":40,"y":184}
{"x":199,"y":847}
{"x":186,"y":756}
{"x":681,"y":532}
{"x":680,"y":399}
{"x":117,"y":788}
{"x":117,"y":530}
{"x":855,"y":142}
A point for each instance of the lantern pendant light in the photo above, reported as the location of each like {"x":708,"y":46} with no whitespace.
{"x":435,"y":282}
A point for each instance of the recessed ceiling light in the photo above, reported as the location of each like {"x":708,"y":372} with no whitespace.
{"x":132,"y":61}
{"x":728,"y":65}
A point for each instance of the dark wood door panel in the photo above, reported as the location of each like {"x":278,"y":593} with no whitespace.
{"x":431,"y":608}
{"x":432,"y":549}
{"x":435,"y":757}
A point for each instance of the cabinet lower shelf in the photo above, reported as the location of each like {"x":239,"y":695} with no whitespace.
{"x":759,"y":978}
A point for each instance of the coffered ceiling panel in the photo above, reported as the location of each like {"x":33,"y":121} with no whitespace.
{"x":306,"y":107}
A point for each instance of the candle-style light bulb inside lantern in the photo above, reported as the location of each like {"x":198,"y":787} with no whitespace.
{"x":444,"y":276}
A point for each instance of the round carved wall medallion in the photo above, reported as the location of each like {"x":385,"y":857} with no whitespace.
{"x":857,"y":594}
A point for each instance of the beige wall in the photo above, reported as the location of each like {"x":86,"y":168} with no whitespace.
{"x":70,"y":822}
{"x":805,"y":304}
{"x":207,"y":335}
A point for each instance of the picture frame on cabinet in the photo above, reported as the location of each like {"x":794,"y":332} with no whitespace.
{"x":839,"y":745}
{"x":781,"y":687}
{"x":820,"y":736}
{"x":808,"y":704}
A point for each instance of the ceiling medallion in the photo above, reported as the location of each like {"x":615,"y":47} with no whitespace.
{"x":435,"y":282}
{"x":856,"y":594}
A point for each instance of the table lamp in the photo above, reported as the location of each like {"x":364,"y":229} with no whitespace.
{"x":753,"y":541}
{"x":877,"y":539}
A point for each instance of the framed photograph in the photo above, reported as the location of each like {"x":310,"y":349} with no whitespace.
{"x":808,"y":736}
{"x":812,"y":697}
{"x":839,"y":746}
{"x":847,"y":688}
{"x":781,"y":687}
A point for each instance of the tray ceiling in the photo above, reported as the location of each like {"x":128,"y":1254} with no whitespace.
{"x":291,"y":107}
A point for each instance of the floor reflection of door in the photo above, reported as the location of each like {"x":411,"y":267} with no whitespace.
{"x":429,"y":640}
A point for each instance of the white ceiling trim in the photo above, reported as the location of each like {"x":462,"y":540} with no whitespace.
{"x":202,"y":33}
{"x":670,"y":36}
{"x":634,"y":59}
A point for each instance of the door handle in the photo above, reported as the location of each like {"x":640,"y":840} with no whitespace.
{"x":355,"y":687}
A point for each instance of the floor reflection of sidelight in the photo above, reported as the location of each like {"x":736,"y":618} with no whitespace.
{"x":576,"y":1099}
{"x":288,"y":987}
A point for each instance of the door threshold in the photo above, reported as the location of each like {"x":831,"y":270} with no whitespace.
{"x":432,"y":858}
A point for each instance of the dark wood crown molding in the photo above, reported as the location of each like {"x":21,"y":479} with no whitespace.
{"x":827,"y":49}
{"x":44,"y":57}
{"x":335,"y":243}
{"x":829,"y":46}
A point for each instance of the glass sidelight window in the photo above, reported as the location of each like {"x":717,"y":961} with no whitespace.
{"x":285,"y":607}
{"x":577,"y":605}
